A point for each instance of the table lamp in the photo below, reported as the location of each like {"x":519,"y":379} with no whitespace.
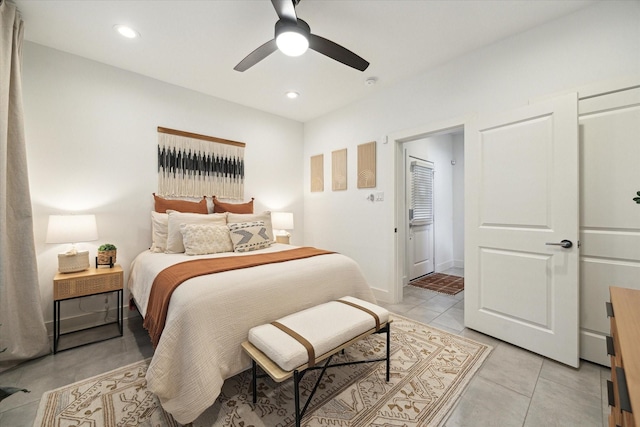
{"x":282,"y":221}
{"x":72,"y":229}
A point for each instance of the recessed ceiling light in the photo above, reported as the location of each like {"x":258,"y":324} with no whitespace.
{"x":127,"y":32}
{"x":292,"y":95}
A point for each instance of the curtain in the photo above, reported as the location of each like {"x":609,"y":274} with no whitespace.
{"x":22,"y":330}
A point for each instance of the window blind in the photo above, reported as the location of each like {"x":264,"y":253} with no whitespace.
{"x":421,"y":212}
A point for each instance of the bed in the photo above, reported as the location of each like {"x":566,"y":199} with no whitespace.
{"x":209,"y":317}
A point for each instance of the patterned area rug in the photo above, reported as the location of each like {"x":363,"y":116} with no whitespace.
{"x":438,"y":282}
{"x":429,"y":370}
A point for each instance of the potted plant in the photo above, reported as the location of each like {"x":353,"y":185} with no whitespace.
{"x":107,"y":254}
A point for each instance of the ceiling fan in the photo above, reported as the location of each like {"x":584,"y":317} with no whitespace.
{"x":293,"y":37}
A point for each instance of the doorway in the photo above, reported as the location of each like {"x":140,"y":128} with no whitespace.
{"x":443,"y":146}
{"x":436,"y":245}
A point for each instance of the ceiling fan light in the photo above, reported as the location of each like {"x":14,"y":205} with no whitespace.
{"x":292,"y":43}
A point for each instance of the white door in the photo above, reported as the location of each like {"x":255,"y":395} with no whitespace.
{"x":521,"y":192}
{"x":610,"y":219}
{"x":420,"y":217}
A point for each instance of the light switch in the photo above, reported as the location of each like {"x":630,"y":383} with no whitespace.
{"x":379,"y":196}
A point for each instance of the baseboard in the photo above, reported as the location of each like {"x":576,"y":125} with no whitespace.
{"x":458,"y":263}
{"x":444,"y":266}
{"x":593,"y":347}
{"x":382,"y":295}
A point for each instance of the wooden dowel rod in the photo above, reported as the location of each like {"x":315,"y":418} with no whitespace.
{"x":202,"y":137}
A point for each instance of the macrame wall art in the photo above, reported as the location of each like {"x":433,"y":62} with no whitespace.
{"x":197,"y":165}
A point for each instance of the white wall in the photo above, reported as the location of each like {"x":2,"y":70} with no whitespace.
{"x":458,"y":200}
{"x":598,"y":43}
{"x":91,"y":145}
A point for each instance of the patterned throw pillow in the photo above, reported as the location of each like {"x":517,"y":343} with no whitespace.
{"x":176,"y":219}
{"x":264,"y":217}
{"x":202,"y":239}
{"x":249,"y":236}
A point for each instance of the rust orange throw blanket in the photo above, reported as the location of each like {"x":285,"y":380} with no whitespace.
{"x":171,"y":277}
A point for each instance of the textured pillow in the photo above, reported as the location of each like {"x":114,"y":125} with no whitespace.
{"x":233,"y":218}
{"x":162,"y":205}
{"x":174,"y":236}
{"x":239,"y":208}
{"x":201,"y":239}
{"x":249,"y":236}
{"x":159,"y":229}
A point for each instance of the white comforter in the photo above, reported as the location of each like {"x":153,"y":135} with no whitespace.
{"x":210,"y":316}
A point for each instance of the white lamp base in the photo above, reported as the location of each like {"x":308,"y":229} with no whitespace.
{"x":282,"y":239}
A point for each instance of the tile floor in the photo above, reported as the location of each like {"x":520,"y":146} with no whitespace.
{"x":513,"y":388}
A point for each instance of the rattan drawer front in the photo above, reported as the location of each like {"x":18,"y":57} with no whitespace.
{"x":87,"y":284}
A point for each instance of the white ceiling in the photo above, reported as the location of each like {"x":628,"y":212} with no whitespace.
{"x":196,"y":44}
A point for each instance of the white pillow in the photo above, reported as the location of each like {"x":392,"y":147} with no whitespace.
{"x":174,"y":236}
{"x":233,"y":218}
{"x":249,"y":236}
{"x":202,"y":239}
{"x":159,"y":229}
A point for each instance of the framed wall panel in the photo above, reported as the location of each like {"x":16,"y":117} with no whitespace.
{"x":317,"y":173}
{"x":367,"y":165}
{"x":339,"y":170}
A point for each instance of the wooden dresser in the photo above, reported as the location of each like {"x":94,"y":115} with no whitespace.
{"x":624,"y":348}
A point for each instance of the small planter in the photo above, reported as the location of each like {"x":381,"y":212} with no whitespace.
{"x":106,"y":255}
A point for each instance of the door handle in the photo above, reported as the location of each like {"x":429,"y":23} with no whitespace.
{"x":566,"y":244}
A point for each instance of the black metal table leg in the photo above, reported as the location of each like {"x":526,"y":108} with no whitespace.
{"x":56,"y":331}
{"x":121,"y":311}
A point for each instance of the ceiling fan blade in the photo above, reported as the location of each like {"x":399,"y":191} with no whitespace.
{"x":337,"y":52}
{"x":257,"y":55}
{"x":285,"y":9}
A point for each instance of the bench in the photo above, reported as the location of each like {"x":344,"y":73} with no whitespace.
{"x":296,"y":344}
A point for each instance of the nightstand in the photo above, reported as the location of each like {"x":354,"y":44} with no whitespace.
{"x":94,"y":281}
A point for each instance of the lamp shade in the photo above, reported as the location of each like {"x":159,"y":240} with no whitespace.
{"x":282,"y":220}
{"x":71,"y":228}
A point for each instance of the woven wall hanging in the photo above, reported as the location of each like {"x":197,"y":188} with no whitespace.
{"x":196,"y":165}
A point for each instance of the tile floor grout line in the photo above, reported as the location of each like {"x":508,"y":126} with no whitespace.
{"x":526,"y":414}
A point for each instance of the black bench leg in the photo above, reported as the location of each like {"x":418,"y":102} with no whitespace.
{"x":254,"y":380}
{"x":296,"y":393}
{"x":388,"y":348}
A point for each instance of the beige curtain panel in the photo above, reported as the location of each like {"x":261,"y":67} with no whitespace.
{"x":22,"y":332}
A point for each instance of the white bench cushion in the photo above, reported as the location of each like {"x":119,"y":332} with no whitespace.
{"x":325,"y":326}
